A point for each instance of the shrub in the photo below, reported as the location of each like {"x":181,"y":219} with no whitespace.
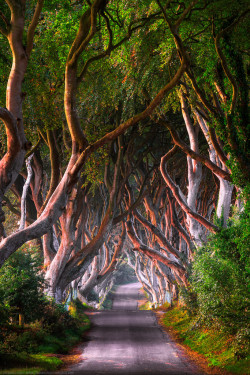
{"x":56,"y":318}
{"x":48,"y":327}
{"x":221,"y":277}
{"x":4,"y":313}
{"x":241,"y":343}
{"x":22,"y":283}
{"x":77,"y":310}
{"x":220,"y":282}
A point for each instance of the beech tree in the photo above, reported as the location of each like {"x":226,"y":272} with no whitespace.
{"x":80,"y":148}
{"x":110,"y":90}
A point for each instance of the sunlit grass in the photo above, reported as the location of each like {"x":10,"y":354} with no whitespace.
{"x":213,"y":344}
{"x":146,"y":306}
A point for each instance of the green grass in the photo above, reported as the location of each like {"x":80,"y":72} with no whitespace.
{"x":108,"y":301}
{"x":146,"y":306}
{"x":30,"y":371}
{"x":23,"y":371}
{"x":163,"y":307}
{"x":63,"y":343}
{"x":34,"y":363}
{"x":214,"y":344}
{"x":86,"y":306}
{"x":28,"y":363}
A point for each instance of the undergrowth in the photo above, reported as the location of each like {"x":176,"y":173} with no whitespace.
{"x":216,"y":345}
{"x":24,"y":363}
{"x":146,"y":306}
{"x":34,"y":344}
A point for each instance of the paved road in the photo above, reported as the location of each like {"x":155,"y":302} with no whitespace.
{"x":128,"y":341}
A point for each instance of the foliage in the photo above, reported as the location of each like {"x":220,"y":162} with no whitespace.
{"x":55,"y":332}
{"x":110,"y":93}
{"x":22,"y":283}
{"x":77,"y":310}
{"x":48,"y":327}
{"x":11,"y":220}
{"x":221,"y":276}
{"x":218,"y":295}
{"x":28,"y":364}
{"x":215,"y":345}
{"x":4,"y":313}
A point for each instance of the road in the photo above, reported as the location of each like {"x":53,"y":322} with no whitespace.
{"x":126,"y":340}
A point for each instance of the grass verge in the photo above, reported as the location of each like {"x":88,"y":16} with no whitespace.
{"x":215,"y":346}
{"x":108,"y":301}
{"x":22,"y":363}
{"x":144,"y":303}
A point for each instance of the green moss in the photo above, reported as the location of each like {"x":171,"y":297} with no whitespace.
{"x":214,"y":344}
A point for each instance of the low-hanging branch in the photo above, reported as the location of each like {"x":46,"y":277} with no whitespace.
{"x":194,"y":155}
{"x":152,"y":253}
{"x":175,"y":190}
{"x":158,"y":233}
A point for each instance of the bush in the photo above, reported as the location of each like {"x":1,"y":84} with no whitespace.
{"x":48,"y":327}
{"x":56,"y":318}
{"x":77,"y":310}
{"x":55,"y":332}
{"x":4,"y":313}
{"x":22,"y":283}
{"x":189,"y":298}
{"x":241,"y":343}
{"x":220,"y":282}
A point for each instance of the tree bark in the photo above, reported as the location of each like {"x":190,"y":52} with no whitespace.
{"x":25,"y":191}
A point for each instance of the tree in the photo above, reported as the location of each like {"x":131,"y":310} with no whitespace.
{"x":97,"y":133}
{"x":22,"y":284}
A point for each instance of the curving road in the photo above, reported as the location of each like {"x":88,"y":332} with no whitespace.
{"x":128,"y":341}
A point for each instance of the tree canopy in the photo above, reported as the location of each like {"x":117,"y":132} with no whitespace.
{"x":131,"y":117}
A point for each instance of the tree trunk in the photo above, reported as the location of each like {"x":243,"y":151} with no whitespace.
{"x":25,"y":191}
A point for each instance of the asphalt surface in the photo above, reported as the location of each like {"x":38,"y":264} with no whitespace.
{"x":125,"y":340}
